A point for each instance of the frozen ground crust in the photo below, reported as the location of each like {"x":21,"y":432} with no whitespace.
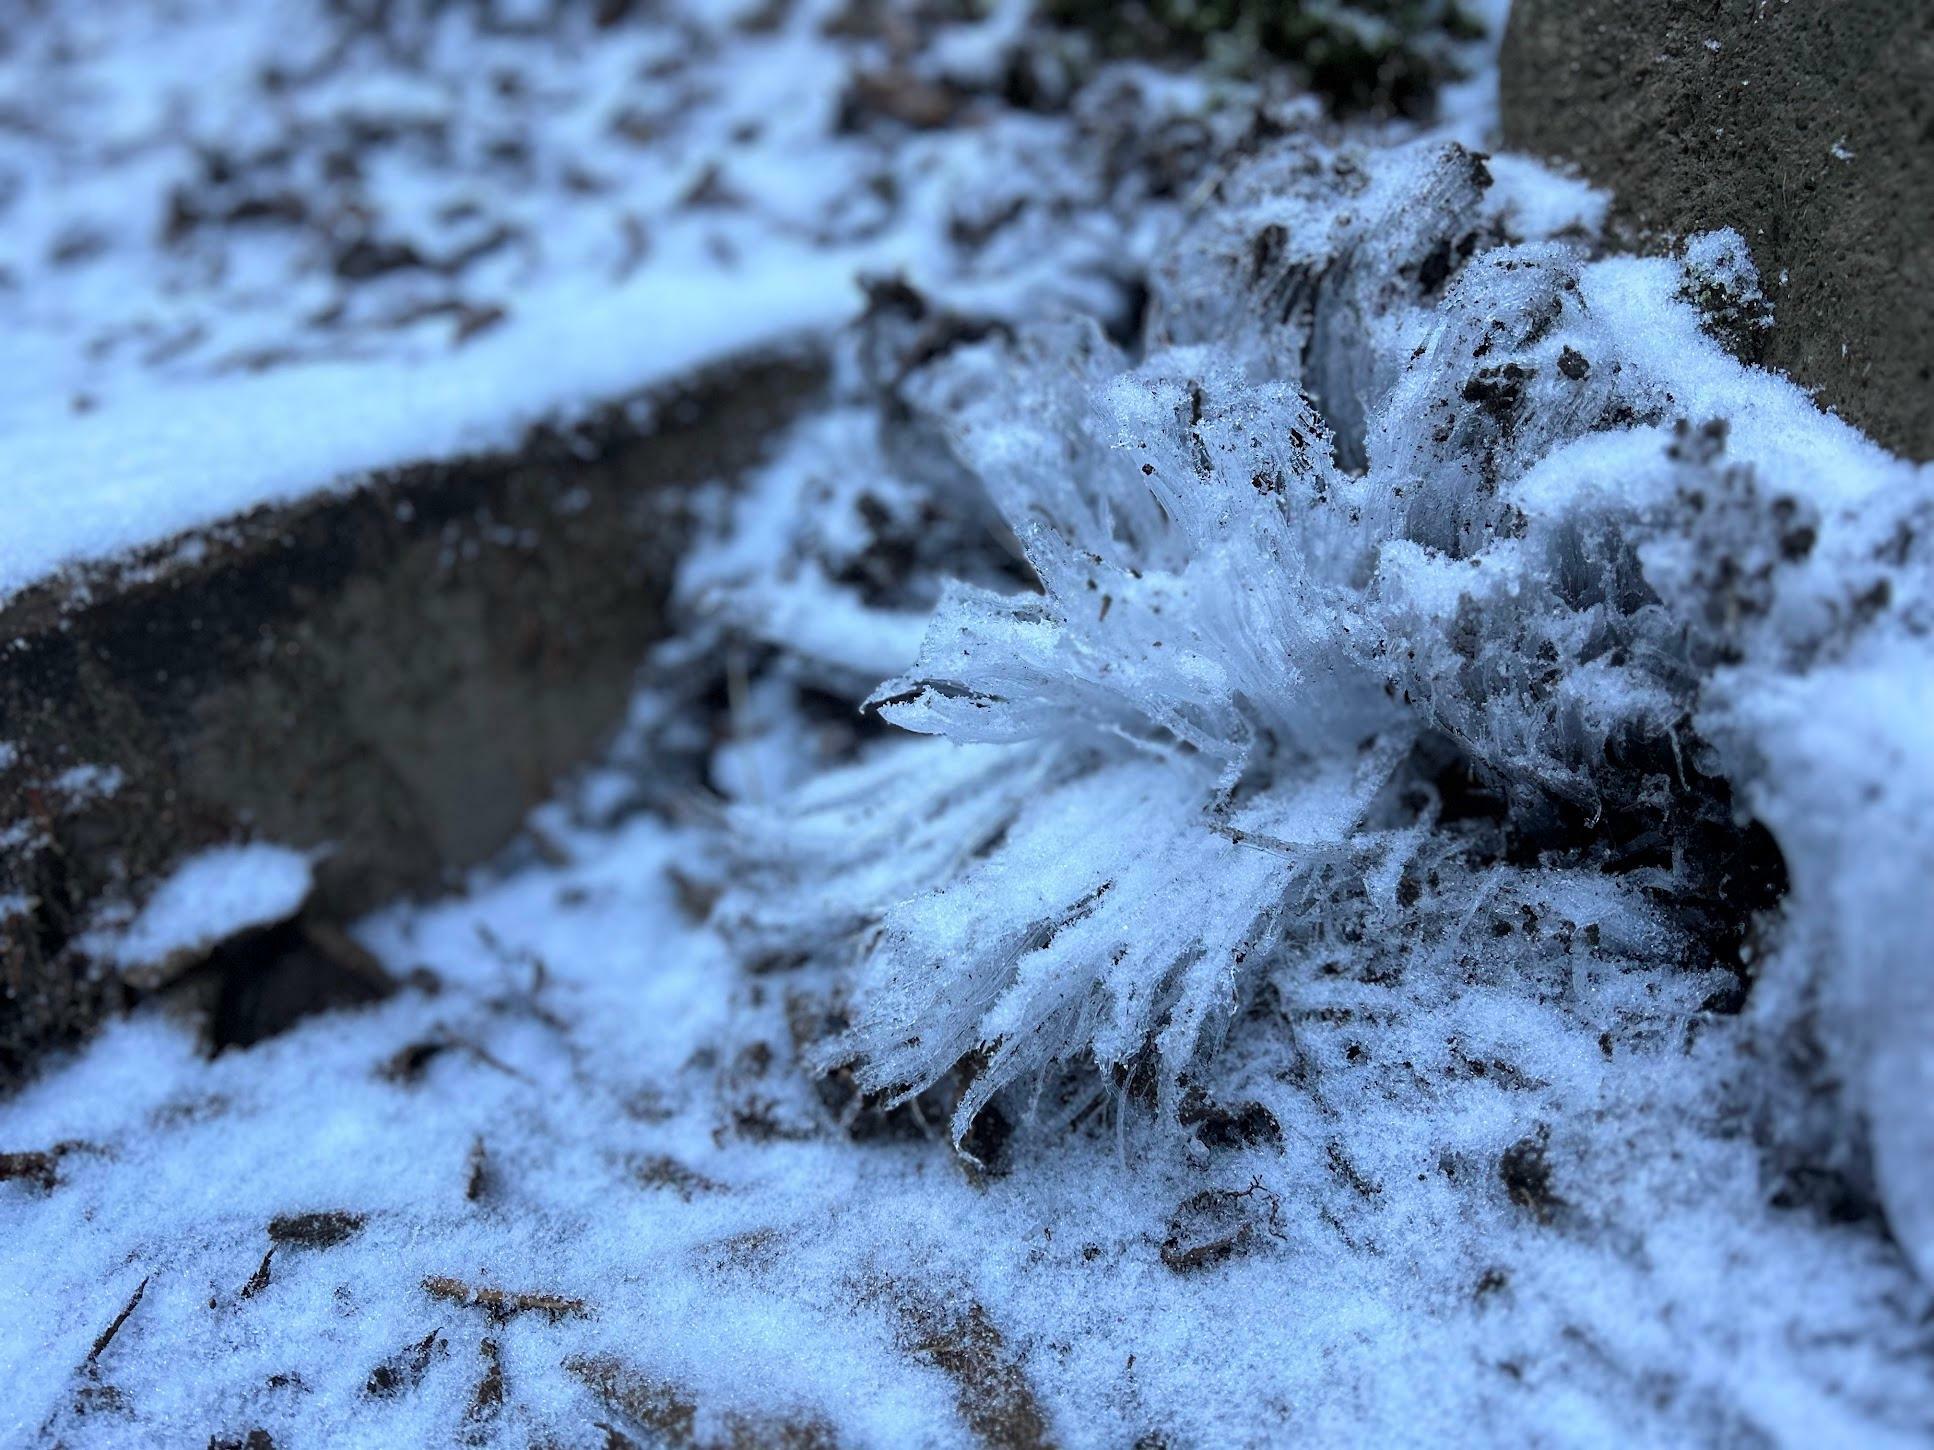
{"x":595,"y":1112}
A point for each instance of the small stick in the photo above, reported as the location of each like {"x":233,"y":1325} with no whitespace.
{"x":259,"y":1280}
{"x":107,"y":1335}
{"x":477,"y":1177}
{"x":488,"y":1398}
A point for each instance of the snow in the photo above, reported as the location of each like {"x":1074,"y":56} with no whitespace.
{"x":104,"y":483}
{"x":84,"y":782}
{"x":643,"y":1154}
{"x":1284,"y":957}
{"x":1535,"y":202}
{"x":568,"y":220}
{"x":210,"y":897}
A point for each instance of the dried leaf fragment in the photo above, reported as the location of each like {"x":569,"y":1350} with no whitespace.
{"x":501,"y":1303}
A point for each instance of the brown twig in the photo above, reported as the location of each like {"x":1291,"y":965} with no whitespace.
{"x":488,"y":1398}
{"x":106,"y":1336}
{"x":477,"y":1172}
{"x":259,"y":1280}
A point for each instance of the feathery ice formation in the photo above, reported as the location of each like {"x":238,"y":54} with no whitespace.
{"x":1427,"y":593}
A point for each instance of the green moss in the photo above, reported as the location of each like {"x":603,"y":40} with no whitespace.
{"x":1374,"y":55}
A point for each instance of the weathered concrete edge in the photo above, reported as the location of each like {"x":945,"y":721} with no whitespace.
{"x":392,"y":674}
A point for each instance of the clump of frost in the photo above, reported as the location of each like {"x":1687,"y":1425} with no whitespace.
{"x":1164,"y":713}
{"x":1211,"y":747}
{"x":1316,"y":259}
{"x":1426,"y":573}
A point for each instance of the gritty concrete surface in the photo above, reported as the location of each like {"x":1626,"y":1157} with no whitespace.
{"x":393,"y":676}
{"x":1807,"y":127}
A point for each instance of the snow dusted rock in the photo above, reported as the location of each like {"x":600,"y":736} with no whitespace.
{"x":210,"y":897}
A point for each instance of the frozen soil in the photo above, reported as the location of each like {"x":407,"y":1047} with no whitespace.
{"x":572,"y":1187}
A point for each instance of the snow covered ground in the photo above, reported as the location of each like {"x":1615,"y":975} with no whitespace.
{"x":1389,"y":904}
{"x":255,"y":251}
{"x":584,"y":1102}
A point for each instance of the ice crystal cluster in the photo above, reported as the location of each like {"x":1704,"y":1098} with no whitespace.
{"x":1424,"y":593}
